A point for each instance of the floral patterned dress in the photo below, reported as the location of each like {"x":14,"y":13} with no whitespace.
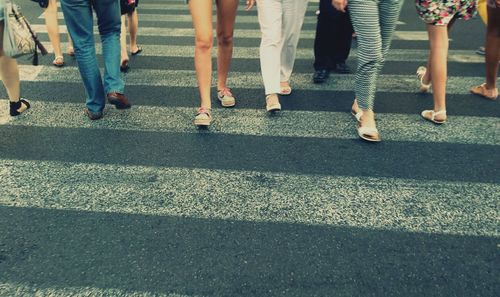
{"x":441,"y":12}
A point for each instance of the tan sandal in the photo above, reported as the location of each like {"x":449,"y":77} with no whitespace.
{"x":369,"y":134}
{"x":58,"y":61}
{"x":430,"y":115}
{"x":285,"y":90}
{"x":482,"y":91}
{"x":203,"y":117}
{"x":272,"y":106}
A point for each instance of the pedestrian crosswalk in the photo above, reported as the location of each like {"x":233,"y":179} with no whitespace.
{"x":304,"y":169}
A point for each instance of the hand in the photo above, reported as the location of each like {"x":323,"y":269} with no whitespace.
{"x":250,"y":4}
{"x":340,"y":5}
{"x":498,"y":3}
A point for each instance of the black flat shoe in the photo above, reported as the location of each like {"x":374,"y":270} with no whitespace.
{"x":124,"y":66}
{"x":139,"y":50}
{"x":342,"y":68}
{"x":320,"y":76}
{"x":16,"y":108}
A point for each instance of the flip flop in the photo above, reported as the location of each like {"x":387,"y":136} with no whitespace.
{"x":139,"y":50}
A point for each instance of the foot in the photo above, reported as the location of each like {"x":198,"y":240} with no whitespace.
{"x":124,"y":67}
{"x":342,"y":68}
{"x":320,"y":76}
{"x":137,"y":51}
{"x":118,"y":100}
{"x":437,"y":117}
{"x":285,"y":88}
{"x":273,"y":103}
{"x":425,"y":83}
{"x":71,"y":51}
{"x":93,"y":115}
{"x":483,"y":91}
{"x":203,"y":117}
{"x":58,"y":61}
{"x":226,"y":98}
{"x":367,"y":129}
{"x":356,"y":111}
{"x":16,"y":108}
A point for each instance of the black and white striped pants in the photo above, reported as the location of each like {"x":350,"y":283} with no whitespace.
{"x":374,"y":22}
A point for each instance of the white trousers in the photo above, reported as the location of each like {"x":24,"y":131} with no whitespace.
{"x":280,"y":24}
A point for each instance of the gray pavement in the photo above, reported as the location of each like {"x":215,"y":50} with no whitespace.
{"x":141,"y":203}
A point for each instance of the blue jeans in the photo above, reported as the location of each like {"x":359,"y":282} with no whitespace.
{"x":79,"y":20}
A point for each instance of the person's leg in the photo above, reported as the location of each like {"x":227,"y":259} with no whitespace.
{"x":226,"y":16}
{"x":389,"y":14}
{"x":270,"y":20}
{"x":79,"y":20}
{"x":293,"y":18}
{"x":9,"y":72}
{"x":492,"y":47}
{"x":342,"y":38}
{"x":365,"y":19}
{"x":52,"y":24}
{"x":438,"y":39}
{"x":123,"y":44}
{"x":109,"y":24}
{"x":323,"y":41}
{"x":133,"y":27}
{"x":201,"y":12}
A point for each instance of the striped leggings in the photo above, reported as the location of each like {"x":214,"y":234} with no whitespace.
{"x":374,"y":22}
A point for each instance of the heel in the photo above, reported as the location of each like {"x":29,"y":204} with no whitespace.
{"x":16,"y":108}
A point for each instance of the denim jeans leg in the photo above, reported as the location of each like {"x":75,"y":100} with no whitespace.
{"x":109,"y":22}
{"x":79,"y":20}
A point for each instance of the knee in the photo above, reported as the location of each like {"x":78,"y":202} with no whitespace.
{"x":372,"y":61}
{"x":271,"y":38}
{"x":204,"y":43}
{"x":224,"y":39}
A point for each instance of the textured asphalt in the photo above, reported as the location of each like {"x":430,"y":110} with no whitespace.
{"x":141,"y":203}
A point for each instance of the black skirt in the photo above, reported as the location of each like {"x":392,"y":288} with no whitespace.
{"x":126,"y":8}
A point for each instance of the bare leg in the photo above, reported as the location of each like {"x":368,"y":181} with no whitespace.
{"x":9,"y":72}
{"x":226,"y":16}
{"x":492,"y":47}
{"x":123,"y":42}
{"x":438,"y":38}
{"x":201,"y":12}
{"x":53,"y":27}
{"x":133,"y":27}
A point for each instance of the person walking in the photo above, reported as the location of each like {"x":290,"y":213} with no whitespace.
{"x":489,"y":89}
{"x":52,"y":24}
{"x":130,"y":16}
{"x":374,"y":22}
{"x":280,"y":25}
{"x":79,"y":19}
{"x":332,"y":43}
{"x":201,"y":13}
{"x":9,"y":73}
{"x":439,"y":17}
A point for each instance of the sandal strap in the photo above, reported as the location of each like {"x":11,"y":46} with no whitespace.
{"x":357,"y":115}
{"x":203,"y":110}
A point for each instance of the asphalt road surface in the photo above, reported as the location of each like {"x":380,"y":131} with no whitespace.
{"x":141,"y":203}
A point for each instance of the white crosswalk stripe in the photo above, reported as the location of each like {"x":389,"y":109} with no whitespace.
{"x":314,"y":124}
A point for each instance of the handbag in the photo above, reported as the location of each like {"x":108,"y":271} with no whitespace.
{"x":42,"y":3}
{"x":18,"y":37}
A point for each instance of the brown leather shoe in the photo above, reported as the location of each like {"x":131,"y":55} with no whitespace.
{"x":118,"y":100}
